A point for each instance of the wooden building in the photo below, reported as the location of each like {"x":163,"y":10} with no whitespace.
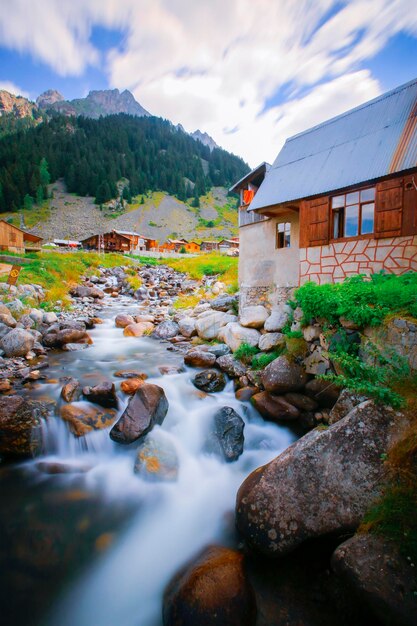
{"x":174,"y":245}
{"x":14,"y":239}
{"x":209,"y":246}
{"x":228,"y":244}
{"x":339,"y":200}
{"x":119,"y":241}
{"x":192,"y":246}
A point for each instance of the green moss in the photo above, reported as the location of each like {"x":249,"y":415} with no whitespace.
{"x":245,"y":353}
{"x":260,"y":361}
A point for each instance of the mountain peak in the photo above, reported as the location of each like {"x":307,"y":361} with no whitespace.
{"x":205,"y":139}
{"x":49,"y":97}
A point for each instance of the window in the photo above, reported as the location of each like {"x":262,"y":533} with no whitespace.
{"x":12,"y":237}
{"x":283,"y":235}
{"x":353,"y":213}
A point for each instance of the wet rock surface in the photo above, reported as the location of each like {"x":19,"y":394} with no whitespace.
{"x":20,"y":432}
{"x":146,"y":408}
{"x":210,"y":381}
{"x":377,"y":574}
{"x":229,"y":427}
{"x":324,"y":483}
{"x":212,"y":590}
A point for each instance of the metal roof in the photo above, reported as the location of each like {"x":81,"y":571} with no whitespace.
{"x":373,"y":140}
{"x":263,"y":167}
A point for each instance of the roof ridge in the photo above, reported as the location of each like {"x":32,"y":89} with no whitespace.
{"x":365,"y":105}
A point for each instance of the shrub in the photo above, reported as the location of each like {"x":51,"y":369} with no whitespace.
{"x":245,"y":353}
{"x":260,"y":361}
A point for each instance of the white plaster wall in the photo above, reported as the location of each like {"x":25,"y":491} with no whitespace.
{"x":260,"y":263}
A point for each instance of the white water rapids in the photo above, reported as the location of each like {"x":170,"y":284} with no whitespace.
{"x":174,"y":520}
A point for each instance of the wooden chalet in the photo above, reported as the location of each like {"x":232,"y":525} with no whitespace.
{"x":339,"y":200}
{"x":119,"y":241}
{"x":209,"y":246}
{"x":174,"y":245}
{"x":14,"y":239}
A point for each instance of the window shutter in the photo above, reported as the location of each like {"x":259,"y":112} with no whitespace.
{"x":314,"y":222}
{"x":409,"y":226}
{"x":389,"y":208}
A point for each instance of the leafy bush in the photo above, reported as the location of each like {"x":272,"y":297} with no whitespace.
{"x":245,"y":353}
{"x":260,"y":361}
{"x":365,"y":301}
{"x":376,"y":380}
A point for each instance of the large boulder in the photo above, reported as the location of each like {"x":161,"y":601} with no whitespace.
{"x":253,"y":316}
{"x":283,"y":375}
{"x":83,"y":419}
{"x":213,"y":590}
{"x":210,"y":381}
{"x":20,"y":427}
{"x":138,"y":329}
{"x":167,"y":330}
{"x":269,"y":341}
{"x":376,"y":573}
{"x":234,"y":335}
{"x":123,"y":319}
{"x":323,"y":392}
{"x":231,"y":366}
{"x":103,"y":394}
{"x":229,"y":427}
{"x":199,"y":358}
{"x":224,"y":303}
{"x":209,"y":325}
{"x":322,"y":484}
{"x":71,"y":335}
{"x":345,"y":403}
{"x":82,"y":291}
{"x":187,"y":327}
{"x":279,"y":317}
{"x":18,"y":342}
{"x":71,"y":390}
{"x":146,"y":408}
{"x":274,"y":408}
{"x":156,"y":460}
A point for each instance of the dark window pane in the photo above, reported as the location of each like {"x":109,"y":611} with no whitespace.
{"x":336,"y":224}
{"x":352,"y":221}
{"x":368,"y":211}
{"x":367,"y":195}
{"x":338,"y":201}
{"x":352,"y":198}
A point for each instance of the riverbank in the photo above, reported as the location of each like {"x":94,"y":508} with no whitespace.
{"x":146,"y":414}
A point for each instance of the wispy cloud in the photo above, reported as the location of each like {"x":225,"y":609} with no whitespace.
{"x":9,"y":86}
{"x":214,"y":65}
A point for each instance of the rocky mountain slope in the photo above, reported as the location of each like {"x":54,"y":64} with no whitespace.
{"x":161,"y":216}
{"x":103,"y":102}
{"x":17,"y":106}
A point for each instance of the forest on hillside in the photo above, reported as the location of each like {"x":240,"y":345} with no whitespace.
{"x":93,"y":155}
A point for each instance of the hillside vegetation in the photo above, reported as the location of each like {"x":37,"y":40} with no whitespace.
{"x":92,"y":156}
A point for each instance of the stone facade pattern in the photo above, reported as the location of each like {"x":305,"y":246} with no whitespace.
{"x":342,"y":259}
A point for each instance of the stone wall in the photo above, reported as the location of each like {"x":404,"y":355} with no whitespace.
{"x":398,"y":335}
{"x":340,"y":260}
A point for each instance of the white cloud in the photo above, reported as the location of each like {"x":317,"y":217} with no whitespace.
{"x":7,"y":85}
{"x":213,"y":64}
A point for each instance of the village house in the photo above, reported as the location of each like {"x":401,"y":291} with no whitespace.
{"x":209,"y":246}
{"x":119,"y":241}
{"x":229,"y":246}
{"x":14,"y":239}
{"x":173,"y":245}
{"x":339,"y":200}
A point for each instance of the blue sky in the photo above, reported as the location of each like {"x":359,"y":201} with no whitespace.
{"x":249,"y":72}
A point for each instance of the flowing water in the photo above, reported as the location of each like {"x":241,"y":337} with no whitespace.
{"x":150,"y":529}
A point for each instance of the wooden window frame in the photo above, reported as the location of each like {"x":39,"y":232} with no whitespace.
{"x":281,"y":242}
{"x":341,"y":211}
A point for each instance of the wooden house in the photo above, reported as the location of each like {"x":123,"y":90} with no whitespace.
{"x":209,"y":246}
{"x":192,"y":247}
{"x":119,"y":241}
{"x":174,"y":245}
{"x":14,"y":239}
{"x":339,"y":200}
{"x":228,"y":244}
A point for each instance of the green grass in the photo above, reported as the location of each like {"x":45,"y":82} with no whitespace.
{"x":393,"y":516}
{"x":260,"y":361}
{"x":57,"y":272}
{"x":38,"y":213}
{"x":245,"y":353}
